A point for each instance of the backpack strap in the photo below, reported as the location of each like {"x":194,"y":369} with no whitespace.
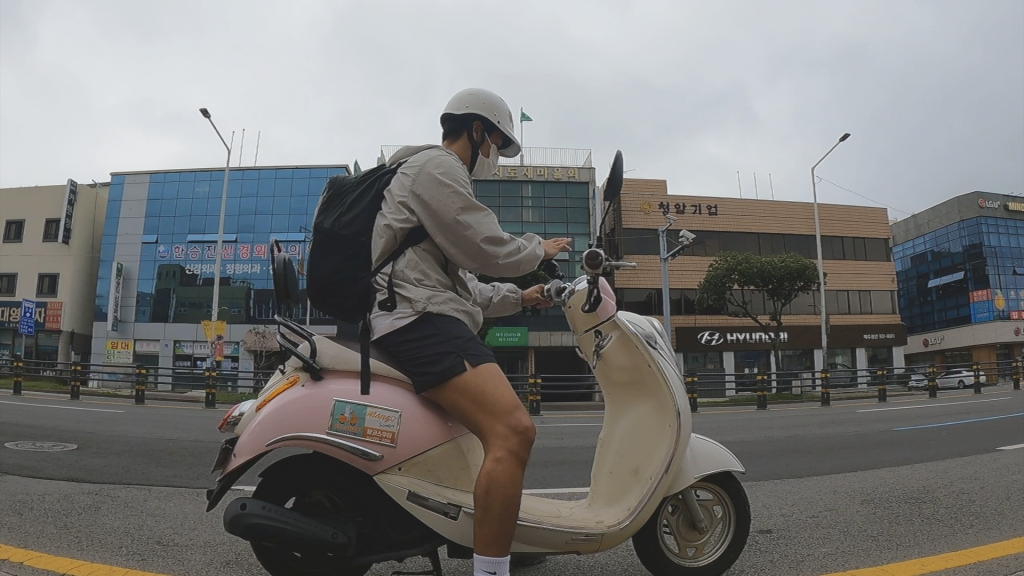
{"x":414,"y":237}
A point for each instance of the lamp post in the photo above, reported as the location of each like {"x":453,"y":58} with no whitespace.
{"x":821,"y":265}
{"x":220,"y":226}
{"x":685,"y":239}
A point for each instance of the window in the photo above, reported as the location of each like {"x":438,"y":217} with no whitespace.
{"x":638,"y":300}
{"x":8,"y":284}
{"x":14,"y":230}
{"x":865,"y":302}
{"x":637,"y":241}
{"x":878,"y":249}
{"x":46,"y":287}
{"x":881,"y":302}
{"x":51,"y":229}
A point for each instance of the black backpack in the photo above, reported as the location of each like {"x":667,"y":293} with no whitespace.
{"x":340,"y":272}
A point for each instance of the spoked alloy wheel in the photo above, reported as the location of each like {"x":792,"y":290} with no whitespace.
{"x":669,"y":544}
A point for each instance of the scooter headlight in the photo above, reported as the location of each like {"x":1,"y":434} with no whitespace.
{"x":234,"y":416}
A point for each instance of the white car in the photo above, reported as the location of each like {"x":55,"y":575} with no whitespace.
{"x":957,"y":378}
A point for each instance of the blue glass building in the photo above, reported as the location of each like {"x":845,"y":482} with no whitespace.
{"x":960,"y":272}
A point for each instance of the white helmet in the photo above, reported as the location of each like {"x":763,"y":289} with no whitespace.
{"x":489,"y":105}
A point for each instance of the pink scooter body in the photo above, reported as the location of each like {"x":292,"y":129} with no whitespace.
{"x":424,"y":425}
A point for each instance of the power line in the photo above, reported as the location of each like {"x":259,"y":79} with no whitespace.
{"x":865,"y":197}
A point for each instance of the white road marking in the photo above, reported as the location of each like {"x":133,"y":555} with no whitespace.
{"x":556,"y":425}
{"x":61,"y":407}
{"x":557,"y":491}
{"x":1014,"y":447}
{"x":934,"y":405}
{"x":244,"y":488}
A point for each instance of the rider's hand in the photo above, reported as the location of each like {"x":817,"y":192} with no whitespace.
{"x":535,"y":297}
{"x":555,"y":245}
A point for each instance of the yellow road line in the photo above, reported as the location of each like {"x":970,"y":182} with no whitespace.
{"x":65,"y":566}
{"x":931,"y":564}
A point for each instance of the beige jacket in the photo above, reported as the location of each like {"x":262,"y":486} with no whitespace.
{"x":433,"y":188}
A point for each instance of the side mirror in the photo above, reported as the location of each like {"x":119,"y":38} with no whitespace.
{"x":613,"y":185}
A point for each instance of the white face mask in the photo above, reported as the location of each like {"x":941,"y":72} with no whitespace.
{"x":486,"y":165}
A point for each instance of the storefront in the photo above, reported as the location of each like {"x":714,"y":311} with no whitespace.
{"x":44,"y":344}
{"x":989,"y":343}
{"x":741,"y":352}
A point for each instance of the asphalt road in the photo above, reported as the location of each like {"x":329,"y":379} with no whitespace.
{"x":173,"y":445}
{"x":831,"y":488}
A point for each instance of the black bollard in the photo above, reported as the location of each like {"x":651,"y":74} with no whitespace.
{"x":933,"y":384}
{"x":211,"y":388}
{"x":691,"y":391}
{"x":977,"y":378}
{"x":883,"y":394}
{"x":533,"y":399}
{"x":17,"y":367}
{"x":762,"y":392}
{"x":75,"y":383}
{"x":1016,"y":375}
{"x":826,"y":394}
{"x":140,"y":384}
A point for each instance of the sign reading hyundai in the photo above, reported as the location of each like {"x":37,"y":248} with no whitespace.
{"x":712,"y":338}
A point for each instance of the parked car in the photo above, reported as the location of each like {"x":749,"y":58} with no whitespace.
{"x":956,"y":378}
{"x":842,"y":376}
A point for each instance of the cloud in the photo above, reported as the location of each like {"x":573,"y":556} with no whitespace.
{"x":692,"y":92}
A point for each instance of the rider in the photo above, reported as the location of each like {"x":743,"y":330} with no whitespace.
{"x":433,"y":332}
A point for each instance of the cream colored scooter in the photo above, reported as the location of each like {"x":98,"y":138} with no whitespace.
{"x":390,"y":475}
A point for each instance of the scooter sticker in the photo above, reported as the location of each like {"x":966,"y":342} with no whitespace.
{"x":365,"y":421}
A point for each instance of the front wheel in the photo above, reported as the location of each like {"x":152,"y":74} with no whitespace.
{"x":669,"y":545}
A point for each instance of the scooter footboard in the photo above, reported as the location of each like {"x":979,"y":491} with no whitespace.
{"x":704,"y":457}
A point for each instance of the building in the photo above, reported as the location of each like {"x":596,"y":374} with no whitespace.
{"x":49,"y":254}
{"x":157,"y":258}
{"x":549,"y":192}
{"x":960,"y":269}
{"x":864,"y":328}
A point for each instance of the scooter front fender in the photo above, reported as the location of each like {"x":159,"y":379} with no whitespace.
{"x":703,"y":457}
{"x":301,"y":416}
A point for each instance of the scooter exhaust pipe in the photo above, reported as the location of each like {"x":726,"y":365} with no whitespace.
{"x":254,"y":520}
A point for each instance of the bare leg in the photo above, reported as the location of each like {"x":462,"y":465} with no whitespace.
{"x":483,"y":401}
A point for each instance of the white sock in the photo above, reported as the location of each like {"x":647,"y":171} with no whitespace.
{"x":484,"y":566}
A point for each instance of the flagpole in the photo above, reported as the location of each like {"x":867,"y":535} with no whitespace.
{"x":522,"y":138}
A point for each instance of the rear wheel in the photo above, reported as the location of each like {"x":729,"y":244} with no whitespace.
{"x":669,"y":545}
{"x":960,"y":384}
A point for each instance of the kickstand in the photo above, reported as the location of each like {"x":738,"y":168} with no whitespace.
{"x":435,"y":566}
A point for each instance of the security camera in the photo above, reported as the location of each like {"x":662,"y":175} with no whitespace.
{"x":686,"y":237}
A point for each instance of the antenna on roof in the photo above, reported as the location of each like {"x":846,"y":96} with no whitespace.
{"x":755,"y":186}
{"x":738,"y":183}
{"x":241,"y":148}
{"x":771,"y":185}
{"x":257,"y":148}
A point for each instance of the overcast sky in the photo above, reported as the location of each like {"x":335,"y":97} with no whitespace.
{"x":691,"y":92}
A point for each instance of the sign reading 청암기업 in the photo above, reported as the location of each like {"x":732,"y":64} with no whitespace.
{"x":365,"y":422}
{"x":680,"y":208}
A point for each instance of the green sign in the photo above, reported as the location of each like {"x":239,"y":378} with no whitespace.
{"x":505,"y":336}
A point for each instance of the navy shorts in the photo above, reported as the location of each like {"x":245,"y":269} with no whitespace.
{"x":433,"y":349}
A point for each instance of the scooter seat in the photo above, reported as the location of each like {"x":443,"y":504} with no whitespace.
{"x":343,"y":355}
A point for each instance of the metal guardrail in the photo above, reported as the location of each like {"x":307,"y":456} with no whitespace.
{"x":753,"y":387}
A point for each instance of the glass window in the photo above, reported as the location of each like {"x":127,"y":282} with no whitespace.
{"x":557,"y":189}
{"x":638,"y":300}
{"x":558,"y":202}
{"x":842,"y":301}
{"x":578,"y":215}
{"x":509,"y":214}
{"x":800,"y":244}
{"x":533,"y":215}
{"x":505,"y":200}
{"x":765,"y":244}
{"x":265,"y":188}
{"x":778,"y":244}
{"x":510,"y":188}
{"x":51,"y":229}
{"x":263,"y":224}
{"x":8,"y":284}
{"x":46,"y":286}
{"x":879,"y":357}
{"x":848,"y":248}
{"x":246,"y":223}
{"x":486,"y":188}
{"x":181,"y":225}
{"x":832,"y":301}
{"x":297,"y":205}
{"x":882,"y":302}
{"x":638,"y":241}
{"x":281,"y":204}
{"x":265,"y":205}
{"x":865,"y":302}
{"x":551,"y":228}
{"x":14,"y":230}
{"x":555,"y":214}
{"x":860,"y":249}
{"x":580,"y":190}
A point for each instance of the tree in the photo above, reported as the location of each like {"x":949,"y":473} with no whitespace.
{"x":735,"y":279}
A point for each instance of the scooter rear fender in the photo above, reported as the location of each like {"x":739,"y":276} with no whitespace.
{"x":300,"y":417}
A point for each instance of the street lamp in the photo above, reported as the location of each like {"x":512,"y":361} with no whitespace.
{"x":821,"y":264}
{"x":220,"y":226}
{"x":685,"y":239}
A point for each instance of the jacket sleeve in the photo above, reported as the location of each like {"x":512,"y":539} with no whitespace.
{"x":466,"y":231}
{"x":495,"y":299}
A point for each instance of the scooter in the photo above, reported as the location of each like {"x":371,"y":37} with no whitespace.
{"x":389,"y":476}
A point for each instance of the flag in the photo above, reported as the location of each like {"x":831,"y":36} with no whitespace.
{"x":524,"y":117}
{"x":356,"y":169}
